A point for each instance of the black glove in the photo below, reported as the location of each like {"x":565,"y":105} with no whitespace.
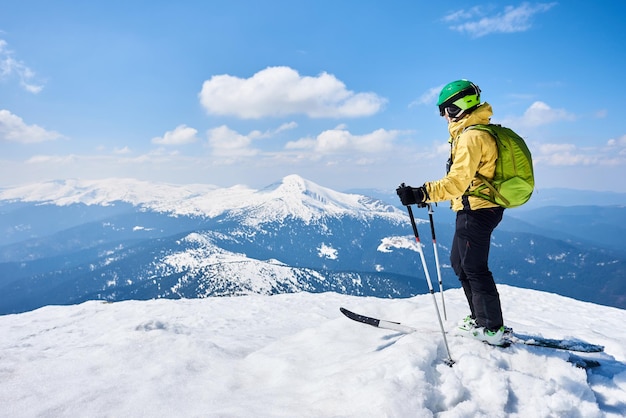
{"x":412,"y":195}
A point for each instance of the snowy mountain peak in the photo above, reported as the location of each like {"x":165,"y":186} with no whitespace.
{"x":302,"y":199}
{"x":293,"y":183}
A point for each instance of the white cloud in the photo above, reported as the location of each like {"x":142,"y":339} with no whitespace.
{"x":613,"y":153}
{"x":226,"y":142}
{"x":182,"y":134}
{"x":122,"y":151}
{"x":280,"y":91}
{"x":340,"y":140}
{"x":538,"y":114}
{"x":9,"y":67}
{"x":462,"y":14}
{"x":229,"y":145}
{"x":475,"y":23}
{"x":270,"y":133}
{"x":53,"y":159}
{"x":428,"y":98}
{"x":617,"y":143}
{"x":562,"y":155}
{"x":286,"y":127}
{"x":13,"y":128}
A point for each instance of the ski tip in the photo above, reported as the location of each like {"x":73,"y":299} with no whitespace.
{"x":348,"y":313}
{"x":351,"y":315}
{"x":449,"y":362}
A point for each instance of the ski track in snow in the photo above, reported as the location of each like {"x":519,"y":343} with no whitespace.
{"x":296,"y":355}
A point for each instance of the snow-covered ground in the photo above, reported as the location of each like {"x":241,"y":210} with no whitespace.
{"x":295,"y":355}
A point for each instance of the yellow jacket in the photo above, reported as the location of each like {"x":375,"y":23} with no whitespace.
{"x":472,"y":152}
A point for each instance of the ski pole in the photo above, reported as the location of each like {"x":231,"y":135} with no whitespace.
{"x":449,"y":361}
{"x":432,"y":231}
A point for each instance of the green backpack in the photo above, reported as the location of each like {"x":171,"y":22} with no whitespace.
{"x":513,"y":181}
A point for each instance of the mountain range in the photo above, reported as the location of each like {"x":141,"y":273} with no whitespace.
{"x":65,"y":242}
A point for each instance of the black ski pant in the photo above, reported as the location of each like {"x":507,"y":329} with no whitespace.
{"x":469,"y":256}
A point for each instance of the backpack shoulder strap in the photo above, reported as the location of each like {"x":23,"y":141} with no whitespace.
{"x":487,"y":127}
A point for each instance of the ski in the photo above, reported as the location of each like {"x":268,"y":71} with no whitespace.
{"x":512,"y":338}
{"x":378,"y":323}
{"x":565,"y":344}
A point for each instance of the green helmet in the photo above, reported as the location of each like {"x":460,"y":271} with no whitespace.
{"x":462,"y":94}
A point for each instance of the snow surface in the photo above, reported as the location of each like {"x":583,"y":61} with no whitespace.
{"x":295,"y":355}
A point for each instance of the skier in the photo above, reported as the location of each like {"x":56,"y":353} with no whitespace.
{"x":472,"y":151}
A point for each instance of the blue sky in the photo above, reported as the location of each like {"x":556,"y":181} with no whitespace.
{"x":340,"y":92}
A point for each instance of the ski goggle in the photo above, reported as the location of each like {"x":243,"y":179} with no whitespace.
{"x":451,"y":110}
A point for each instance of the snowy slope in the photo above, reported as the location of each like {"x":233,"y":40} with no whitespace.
{"x":295,"y":355}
